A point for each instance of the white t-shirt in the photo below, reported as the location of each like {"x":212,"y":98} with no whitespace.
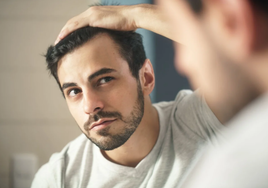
{"x":185,"y":125}
{"x":240,"y":160}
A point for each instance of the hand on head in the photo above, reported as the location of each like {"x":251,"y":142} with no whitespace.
{"x":109,"y":17}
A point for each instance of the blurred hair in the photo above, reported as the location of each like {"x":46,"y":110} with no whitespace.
{"x":262,"y":5}
{"x":129,"y":45}
{"x":196,"y":5}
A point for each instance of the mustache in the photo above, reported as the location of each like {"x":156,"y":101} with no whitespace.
{"x":101,"y":114}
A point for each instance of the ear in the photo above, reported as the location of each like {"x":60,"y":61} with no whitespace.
{"x":231,"y":24}
{"x":147,"y":78}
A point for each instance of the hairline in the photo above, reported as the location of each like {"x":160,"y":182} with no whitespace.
{"x":117,"y":47}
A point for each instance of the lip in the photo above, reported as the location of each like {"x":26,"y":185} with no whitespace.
{"x":100,"y":124}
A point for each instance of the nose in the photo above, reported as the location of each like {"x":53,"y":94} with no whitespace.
{"x":92,"y":102}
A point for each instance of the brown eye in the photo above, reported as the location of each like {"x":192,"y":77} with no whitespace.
{"x":73,"y":92}
{"x":105,"y":80}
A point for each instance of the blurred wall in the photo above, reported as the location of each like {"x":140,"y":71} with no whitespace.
{"x":34,"y":117}
{"x":168,"y":82}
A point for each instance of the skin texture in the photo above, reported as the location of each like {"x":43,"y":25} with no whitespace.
{"x":100,"y":89}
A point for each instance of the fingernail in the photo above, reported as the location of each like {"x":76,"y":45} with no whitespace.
{"x":57,"y":40}
{"x":61,"y":34}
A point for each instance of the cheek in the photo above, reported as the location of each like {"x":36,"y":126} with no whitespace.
{"x":119,"y":99}
{"x":122,"y":99}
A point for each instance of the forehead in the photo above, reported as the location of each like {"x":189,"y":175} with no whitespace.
{"x":99,"y":52}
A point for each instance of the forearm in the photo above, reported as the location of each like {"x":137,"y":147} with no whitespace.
{"x":125,"y":18}
{"x":150,"y":17}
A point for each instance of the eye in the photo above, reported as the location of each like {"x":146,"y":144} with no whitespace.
{"x":105,"y":80}
{"x":73,"y":92}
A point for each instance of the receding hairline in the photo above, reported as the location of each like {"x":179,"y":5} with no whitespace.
{"x":98,"y":35}
{"x":95,"y":37}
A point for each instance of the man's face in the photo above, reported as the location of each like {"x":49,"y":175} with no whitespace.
{"x":102,"y":95}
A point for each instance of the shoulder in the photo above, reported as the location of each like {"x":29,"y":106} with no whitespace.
{"x":183,"y":98}
{"x":185,"y":93}
{"x":189,"y":97}
{"x":52,"y":173}
{"x":167,"y":107}
{"x":190,"y":112}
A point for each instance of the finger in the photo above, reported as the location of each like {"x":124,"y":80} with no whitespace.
{"x":71,"y":26}
{"x":61,"y":35}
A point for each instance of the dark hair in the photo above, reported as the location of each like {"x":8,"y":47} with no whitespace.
{"x":129,"y":45}
{"x":262,"y":5}
{"x":196,"y":5}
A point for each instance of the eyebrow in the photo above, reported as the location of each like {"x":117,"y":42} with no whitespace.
{"x":66,"y":85}
{"x":100,"y":72}
{"x":91,"y":77}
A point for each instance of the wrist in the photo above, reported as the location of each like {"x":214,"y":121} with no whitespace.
{"x":140,"y":13}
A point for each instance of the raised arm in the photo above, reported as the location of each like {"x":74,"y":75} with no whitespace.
{"x":148,"y":17}
{"x":125,"y":18}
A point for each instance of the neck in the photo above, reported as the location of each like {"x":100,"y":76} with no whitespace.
{"x":140,"y":143}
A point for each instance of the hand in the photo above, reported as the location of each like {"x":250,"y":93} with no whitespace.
{"x":110,"y":17}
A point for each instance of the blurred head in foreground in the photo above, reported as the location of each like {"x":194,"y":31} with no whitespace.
{"x":224,"y":47}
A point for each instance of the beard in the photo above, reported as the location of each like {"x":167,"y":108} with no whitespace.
{"x":110,"y":141}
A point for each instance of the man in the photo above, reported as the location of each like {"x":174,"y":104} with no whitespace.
{"x":234,"y":34}
{"x":126,"y":142}
{"x":229,"y":43}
